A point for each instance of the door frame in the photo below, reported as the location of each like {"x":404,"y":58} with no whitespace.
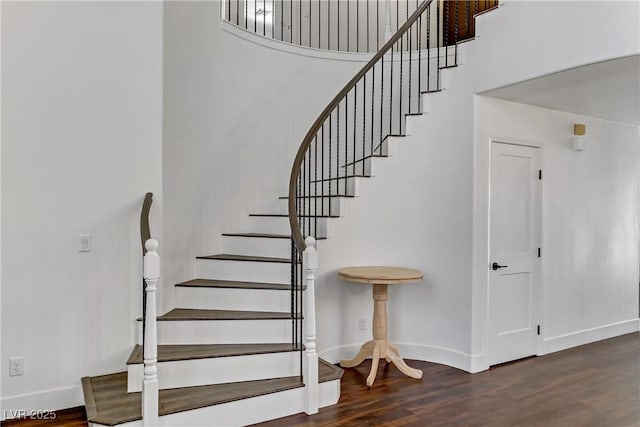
{"x":479,"y":360}
{"x":537,"y":297}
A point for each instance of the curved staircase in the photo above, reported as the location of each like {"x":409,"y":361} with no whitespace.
{"x":231,"y":352}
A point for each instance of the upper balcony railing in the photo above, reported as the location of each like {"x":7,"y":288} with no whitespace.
{"x":347,"y":25}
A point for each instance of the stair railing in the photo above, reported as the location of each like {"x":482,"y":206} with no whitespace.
{"x":356,"y":125}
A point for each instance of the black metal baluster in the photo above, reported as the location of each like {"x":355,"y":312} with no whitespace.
{"x":368,"y":31}
{"x":446,"y":25}
{"x":400,"y":87}
{"x":329,"y":25}
{"x":246,"y":15}
{"x":429,"y":48}
{"x":373,"y":103}
{"x":455,"y":31}
{"x":291,"y":21}
{"x":381,"y":97}
{"x":339,"y":25}
{"x":378,"y":28}
{"x":319,"y":23}
{"x":357,"y":25}
{"x":315,"y":189}
{"x":338,"y":151}
{"x":420,"y":62}
{"x":322,"y":171}
{"x":329,"y":175}
{"x":310,"y":21}
{"x":300,"y":23}
{"x":364,"y":118}
{"x":355,"y":117}
{"x":410,"y":41}
{"x":255,"y":18}
{"x":346,"y":138}
{"x":390,"y":99}
{"x":438,"y":46}
{"x":282,"y":21}
{"x":348,"y":32}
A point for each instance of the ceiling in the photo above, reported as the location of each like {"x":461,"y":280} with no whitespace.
{"x":608,"y":90}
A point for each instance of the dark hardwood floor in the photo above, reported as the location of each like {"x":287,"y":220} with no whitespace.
{"x":593,"y":385}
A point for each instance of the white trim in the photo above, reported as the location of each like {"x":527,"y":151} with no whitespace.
{"x":53,"y":399}
{"x":428,"y":353}
{"x":586,"y":336}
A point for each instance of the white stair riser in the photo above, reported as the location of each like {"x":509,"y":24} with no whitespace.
{"x":258,"y":246}
{"x":337,"y":186}
{"x":328,"y":206}
{"x":323,"y":204}
{"x":233,"y":299}
{"x":280,"y":225}
{"x":269,"y":224}
{"x":250,"y":271}
{"x":221,"y":331}
{"x":329,"y":393}
{"x":218,"y":370}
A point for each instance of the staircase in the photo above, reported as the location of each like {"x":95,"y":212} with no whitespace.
{"x":226,"y":352}
{"x":231,"y":352}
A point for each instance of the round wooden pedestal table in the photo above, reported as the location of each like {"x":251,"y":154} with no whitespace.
{"x":379,"y":347}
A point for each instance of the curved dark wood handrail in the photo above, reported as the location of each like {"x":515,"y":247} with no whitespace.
{"x":145,"y":231}
{"x":296,"y":233}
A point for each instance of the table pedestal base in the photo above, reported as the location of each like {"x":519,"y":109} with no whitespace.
{"x":380,"y":349}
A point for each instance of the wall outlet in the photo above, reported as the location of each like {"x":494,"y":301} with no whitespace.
{"x":16,"y":366}
{"x":362,"y":324}
{"x":85,"y":243}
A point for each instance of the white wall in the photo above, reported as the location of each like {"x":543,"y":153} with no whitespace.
{"x":231,"y":132}
{"x":81,"y":144}
{"x":235,"y":113}
{"x":590,"y":218}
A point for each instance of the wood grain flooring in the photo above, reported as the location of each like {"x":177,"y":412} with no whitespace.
{"x":596,"y":385}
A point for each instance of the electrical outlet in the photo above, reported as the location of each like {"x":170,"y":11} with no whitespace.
{"x":362,"y":324}
{"x":16,"y":366}
{"x":85,"y":243}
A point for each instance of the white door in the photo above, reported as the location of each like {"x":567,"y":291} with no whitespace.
{"x":514,"y":261}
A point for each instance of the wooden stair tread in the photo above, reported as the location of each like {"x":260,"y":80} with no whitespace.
{"x":328,"y":372}
{"x":214,"y":283}
{"x":200,"y":314}
{"x":259,"y":235}
{"x":169,"y":353}
{"x":250,"y":258}
{"x":113,"y":405}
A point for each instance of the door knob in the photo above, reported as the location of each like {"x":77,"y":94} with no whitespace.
{"x":496,"y":266}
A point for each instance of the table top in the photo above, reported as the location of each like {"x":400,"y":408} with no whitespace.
{"x":380,"y":275}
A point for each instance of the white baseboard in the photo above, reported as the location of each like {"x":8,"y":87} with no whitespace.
{"x":427,"y":353}
{"x":48,"y":400}
{"x":586,"y":336}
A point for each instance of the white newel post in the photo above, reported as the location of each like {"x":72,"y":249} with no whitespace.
{"x":150,"y":381}
{"x":310,"y":360}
